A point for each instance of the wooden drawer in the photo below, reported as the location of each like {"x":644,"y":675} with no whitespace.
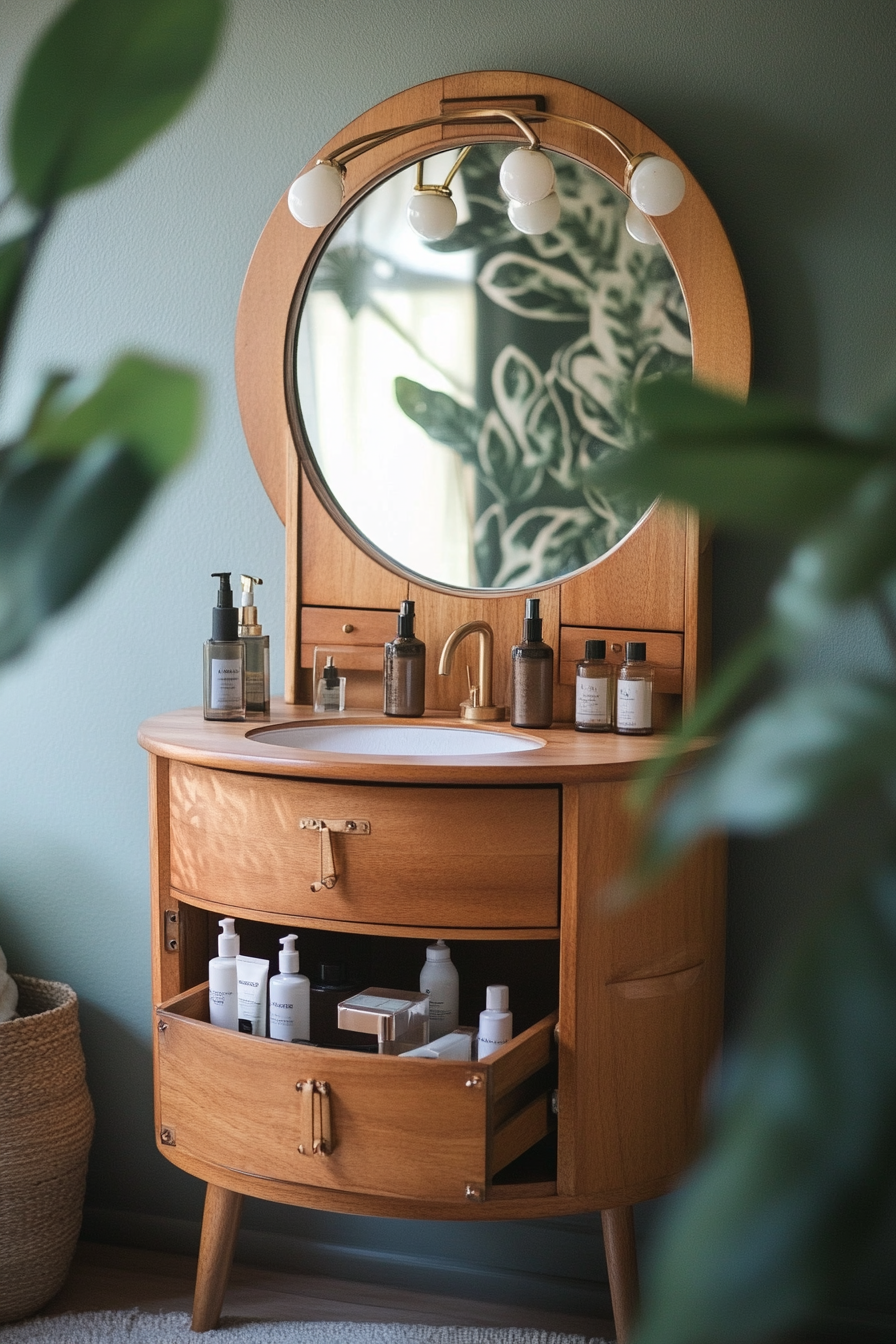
{"x":360,"y":634}
{"x":416,"y":1128}
{"x":442,"y":857}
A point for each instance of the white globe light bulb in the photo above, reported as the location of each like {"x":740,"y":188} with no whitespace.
{"x":527,"y":175}
{"x":639,"y":226}
{"x":536,"y":216}
{"x":657,"y":185}
{"x":431,"y":215}
{"x":315,"y":197}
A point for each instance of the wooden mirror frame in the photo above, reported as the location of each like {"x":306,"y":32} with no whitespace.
{"x":655,"y":580}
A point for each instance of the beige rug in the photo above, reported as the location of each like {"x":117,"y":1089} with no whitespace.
{"x":138,"y":1327}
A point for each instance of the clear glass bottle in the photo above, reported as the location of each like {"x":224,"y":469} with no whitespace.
{"x":224,"y":660}
{"x":634,"y":692}
{"x":329,"y":693}
{"x":258,"y":653}
{"x":532,"y":674}
{"x":595,"y":689}
{"x":404,"y":670}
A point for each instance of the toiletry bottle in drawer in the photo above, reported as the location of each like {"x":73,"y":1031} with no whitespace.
{"x":224,"y":659}
{"x":222,"y":979}
{"x":439,"y":979}
{"x":595,"y":689}
{"x":258,"y":653}
{"x":404,"y":669}
{"x":634,"y":692}
{"x":290,"y":997}
{"x":496,"y":1023}
{"x":532,"y":664}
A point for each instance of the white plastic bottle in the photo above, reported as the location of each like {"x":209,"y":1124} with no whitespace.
{"x":496,"y":1023}
{"x":290,"y":997}
{"x":439,"y":979}
{"x":222,"y":983}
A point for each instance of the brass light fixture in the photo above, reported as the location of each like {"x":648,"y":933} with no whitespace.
{"x":655,"y":185}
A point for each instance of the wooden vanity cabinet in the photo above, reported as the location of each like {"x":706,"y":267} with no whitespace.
{"x":515,"y":860}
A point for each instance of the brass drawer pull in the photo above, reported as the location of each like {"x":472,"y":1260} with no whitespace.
{"x":326,"y":825}
{"x":315,"y":1128}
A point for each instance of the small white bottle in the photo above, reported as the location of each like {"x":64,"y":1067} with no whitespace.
{"x":223,"y":1009}
{"x":290,"y":997}
{"x":439,"y":980}
{"x":496,"y":1023}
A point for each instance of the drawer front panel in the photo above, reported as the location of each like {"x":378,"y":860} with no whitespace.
{"x":452,"y":858}
{"x":401,"y":1127}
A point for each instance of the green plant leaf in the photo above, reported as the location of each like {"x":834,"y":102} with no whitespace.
{"x":105,"y":77}
{"x":810,"y":744}
{"x":789,"y":1196}
{"x":58,"y":522}
{"x":153,"y":407}
{"x":14,"y":253}
{"x":443,"y":418}
{"x":845,"y":560}
{"x":763,"y":465}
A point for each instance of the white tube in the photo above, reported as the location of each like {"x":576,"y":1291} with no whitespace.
{"x":252,"y":989}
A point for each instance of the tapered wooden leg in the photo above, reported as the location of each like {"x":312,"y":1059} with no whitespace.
{"x":220,"y":1224}
{"x":622,"y":1263}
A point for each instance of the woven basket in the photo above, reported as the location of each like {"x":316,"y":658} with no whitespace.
{"x":46,"y":1124}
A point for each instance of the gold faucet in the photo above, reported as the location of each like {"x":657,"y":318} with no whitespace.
{"x":479,"y":706}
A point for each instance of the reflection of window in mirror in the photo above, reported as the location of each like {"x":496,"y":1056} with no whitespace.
{"x":454,"y":394}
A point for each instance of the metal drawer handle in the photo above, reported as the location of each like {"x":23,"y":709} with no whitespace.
{"x":326,"y":825}
{"x":315,"y":1129}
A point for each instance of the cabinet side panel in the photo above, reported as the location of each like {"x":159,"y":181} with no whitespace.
{"x":647,"y":980}
{"x":640,"y":585}
{"x":334,"y":569}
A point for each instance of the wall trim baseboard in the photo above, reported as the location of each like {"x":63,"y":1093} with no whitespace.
{"x":304,"y":1255}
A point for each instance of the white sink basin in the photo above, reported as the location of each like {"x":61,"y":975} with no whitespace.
{"x":399,"y":739}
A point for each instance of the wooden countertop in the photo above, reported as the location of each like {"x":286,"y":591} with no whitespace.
{"x":567,"y":757}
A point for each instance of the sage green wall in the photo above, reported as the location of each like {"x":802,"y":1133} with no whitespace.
{"x":785,"y":112}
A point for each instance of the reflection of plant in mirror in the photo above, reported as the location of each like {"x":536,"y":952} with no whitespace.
{"x":567,"y":324}
{"x":105,"y":77}
{"x":799,"y":1179}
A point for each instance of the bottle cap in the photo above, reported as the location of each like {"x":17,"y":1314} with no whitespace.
{"x":532,"y":620}
{"x":249,"y":623}
{"x":406,"y":619}
{"x":595,"y":648}
{"x":229,"y":940}
{"x":635,"y":651}
{"x":331,"y":673}
{"x":497,"y":999}
{"x":439,"y":951}
{"x":289,"y":957}
{"x":225,"y":617}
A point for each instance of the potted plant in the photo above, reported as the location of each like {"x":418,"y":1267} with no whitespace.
{"x":103,"y":79}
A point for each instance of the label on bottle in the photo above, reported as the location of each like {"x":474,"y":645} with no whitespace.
{"x":226,"y":689}
{"x":254,"y":690}
{"x":634,"y":704}
{"x":592,"y":701}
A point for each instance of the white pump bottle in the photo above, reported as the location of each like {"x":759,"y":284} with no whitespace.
{"x":439,"y":979}
{"x":223,"y":1008}
{"x":290,"y":997}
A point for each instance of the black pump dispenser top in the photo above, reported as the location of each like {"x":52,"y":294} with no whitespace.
{"x":532,"y":622}
{"x":225,"y":617}
{"x":406,"y":619}
{"x":331,"y":674}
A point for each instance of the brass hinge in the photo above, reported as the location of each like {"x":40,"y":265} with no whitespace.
{"x":315,"y":1129}
{"x":326,"y":825}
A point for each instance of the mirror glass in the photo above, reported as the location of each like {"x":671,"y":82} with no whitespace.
{"x":454,"y":394}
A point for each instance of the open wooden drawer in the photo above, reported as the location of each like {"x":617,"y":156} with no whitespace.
{"x":381,"y":1124}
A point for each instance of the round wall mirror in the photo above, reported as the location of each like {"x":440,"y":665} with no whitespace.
{"x":453,"y":393}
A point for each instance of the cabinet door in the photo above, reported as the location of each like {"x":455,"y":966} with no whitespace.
{"x":441,"y":857}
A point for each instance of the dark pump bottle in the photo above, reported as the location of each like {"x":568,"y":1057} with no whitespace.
{"x":224,"y":660}
{"x":532,"y":664}
{"x":404,"y":672}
